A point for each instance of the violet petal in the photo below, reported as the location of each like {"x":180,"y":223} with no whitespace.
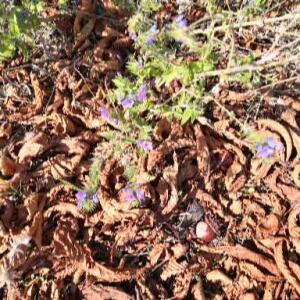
{"x":142,"y":93}
{"x":140,"y":194}
{"x":146,"y":145}
{"x":95,"y":198}
{"x":105,"y":114}
{"x":127,"y":102}
{"x":129,"y":195}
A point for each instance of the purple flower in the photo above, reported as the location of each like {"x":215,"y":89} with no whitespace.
{"x":153,"y":29}
{"x":130,"y":197}
{"x":105,"y":114}
{"x":268,"y":149}
{"x":95,"y":198}
{"x":142,"y":93}
{"x":128,"y":101}
{"x":133,"y":35}
{"x":181,"y":21}
{"x":146,"y":145}
{"x":153,"y":35}
{"x":25,"y":14}
{"x":273,"y":144}
{"x":139,"y":194}
{"x":81,"y":197}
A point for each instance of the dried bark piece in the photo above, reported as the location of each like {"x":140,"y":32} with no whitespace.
{"x":277,"y":127}
{"x":243,"y":253}
{"x":279,"y":248}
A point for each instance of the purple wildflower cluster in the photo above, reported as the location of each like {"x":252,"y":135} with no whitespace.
{"x":145,"y":144}
{"x":83,"y":196}
{"x":131,"y":99}
{"x":181,"y":22}
{"x":268,"y":149}
{"x":133,"y":195}
{"x":153,"y":31}
{"x":106,"y":116}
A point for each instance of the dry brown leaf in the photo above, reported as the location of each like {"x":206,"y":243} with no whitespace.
{"x":293,"y":219}
{"x":84,"y":33}
{"x":126,"y":235}
{"x":162,"y":130}
{"x":145,"y":291}
{"x":114,"y":211}
{"x":31,"y":204}
{"x":182,"y":285}
{"x":203,"y":155}
{"x":279,"y":249}
{"x":63,"y":209}
{"x":35,"y":145}
{"x":277,"y":127}
{"x":232,"y":176}
{"x":269,"y":290}
{"x":243,"y":253}
{"x":270,"y":225}
{"x":92,"y":292}
{"x":296,"y":175}
{"x":198,"y":291}
{"x":172,"y":268}
{"x":248,"y":296}
{"x":218,"y":275}
{"x":7,"y":166}
{"x":5,"y":130}
{"x":254,"y":272}
{"x":158,"y":252}
{"x":170,"y":175}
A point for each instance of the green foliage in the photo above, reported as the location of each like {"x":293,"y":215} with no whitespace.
{"x":94,"y":178}
{"x":17,"y":26}
{"x":63,"y":4}
{"x":129,"y":5}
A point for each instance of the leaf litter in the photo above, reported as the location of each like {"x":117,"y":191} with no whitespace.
{"x":200,"y":175}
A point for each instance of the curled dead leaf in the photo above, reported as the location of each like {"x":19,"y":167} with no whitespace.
{"x":279,"y":248}
{"x":7,"y":166}
{"x":218,"y":275}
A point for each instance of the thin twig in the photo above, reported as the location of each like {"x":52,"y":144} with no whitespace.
{"x":260,"y":22}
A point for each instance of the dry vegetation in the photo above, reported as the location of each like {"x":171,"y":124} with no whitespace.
{"x":232,"y":172}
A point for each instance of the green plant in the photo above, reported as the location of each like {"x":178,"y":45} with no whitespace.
{"x":18,"y":23}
